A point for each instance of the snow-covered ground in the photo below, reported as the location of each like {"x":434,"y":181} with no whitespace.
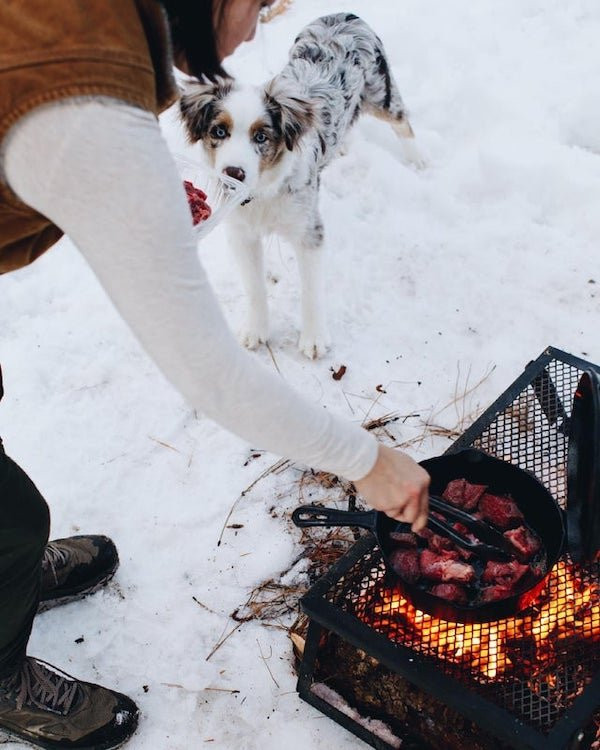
{"x":436,"y":280}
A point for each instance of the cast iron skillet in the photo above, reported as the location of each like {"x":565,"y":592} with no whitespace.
{"x":576,"y":530}
{"x":539,"y":508}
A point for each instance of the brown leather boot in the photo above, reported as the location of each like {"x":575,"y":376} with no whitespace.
{"x":74,"y":567}
{"x":44,"y":707}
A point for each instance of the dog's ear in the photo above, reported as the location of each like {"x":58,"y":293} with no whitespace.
{"x":199,"y":103}
{"x":291,"y":112}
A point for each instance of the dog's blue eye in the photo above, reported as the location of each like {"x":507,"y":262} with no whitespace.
{"x":260,"y":137}
{"x":219,"y":132}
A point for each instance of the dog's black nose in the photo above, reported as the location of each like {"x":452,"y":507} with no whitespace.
{"x":236,"y":172}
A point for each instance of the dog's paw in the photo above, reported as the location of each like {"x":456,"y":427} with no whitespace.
{"x":314,"y":346}
{"x":255,"y":330}
{"x":412,"y":156}
{"x":252,"y":339}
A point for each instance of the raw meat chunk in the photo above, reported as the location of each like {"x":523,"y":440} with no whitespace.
{"x":525,"y":542}
{"x":404,"y":538}
{"x":405,"y":563}
{"x":200,"y":209}
{"x":463,"y":494}
{"x":494,"y":593}
{"x":505,"y":573}
{"x":451,"y":592}
{"x":445,"y":567}
{"x":473,"y":493}
{"x":501,"y":511}
{"x":439,"y":543}
{"x":455,"y":491}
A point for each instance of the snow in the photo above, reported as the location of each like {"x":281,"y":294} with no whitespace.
{"x":375,"y":727}
{"x":438,"y":280}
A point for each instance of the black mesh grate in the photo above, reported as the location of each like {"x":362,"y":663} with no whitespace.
{"x":534,"y":665}
{"x":532,"y":431}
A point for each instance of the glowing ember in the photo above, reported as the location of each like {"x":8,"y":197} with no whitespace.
{"x":567,"y":611}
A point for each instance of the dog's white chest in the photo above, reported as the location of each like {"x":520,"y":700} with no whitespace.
{"x":281,"y":214}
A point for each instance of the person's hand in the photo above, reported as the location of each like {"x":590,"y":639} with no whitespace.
{"x":398,"y":486}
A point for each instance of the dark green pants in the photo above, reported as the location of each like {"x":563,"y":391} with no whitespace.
{"x":24,"y":529}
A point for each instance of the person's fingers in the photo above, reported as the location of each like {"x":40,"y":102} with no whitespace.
{"x":421,"y":519}
{"x":408,"y":511}
{"x":411,"y":509}
{"x":422,"y":516}
{"x":420,"y":523}
{"x":398,"y":514}
{"x":397,"y":486}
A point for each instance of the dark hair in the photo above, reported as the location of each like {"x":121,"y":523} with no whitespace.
{"x":193,"y":24}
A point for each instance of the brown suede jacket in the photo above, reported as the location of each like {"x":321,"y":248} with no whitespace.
{"x":52,"y":49}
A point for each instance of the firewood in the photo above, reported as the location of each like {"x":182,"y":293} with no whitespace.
{"x":380,"y":693}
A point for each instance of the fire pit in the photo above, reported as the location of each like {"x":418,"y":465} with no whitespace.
{"x":399,"y":678}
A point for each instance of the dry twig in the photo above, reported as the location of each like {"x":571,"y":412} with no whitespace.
{"x":460,"y":398}
{"x":269,"y":601}
{"x":273,"y":357}
{"x":322,"y":548}
{"x":164,"y":445}
{"x":222,"y":640}
{"x":270,"y":470}
{"x":208,"y":609}
{"x":264,"y":658}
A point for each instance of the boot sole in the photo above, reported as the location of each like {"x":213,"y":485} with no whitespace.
{"x":76,"y":596}
{"x":6,"y":736}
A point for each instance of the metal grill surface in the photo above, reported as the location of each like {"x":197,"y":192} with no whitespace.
{"x":533,"y":665}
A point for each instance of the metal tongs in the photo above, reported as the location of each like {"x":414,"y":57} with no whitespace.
{"x":493,"y":545}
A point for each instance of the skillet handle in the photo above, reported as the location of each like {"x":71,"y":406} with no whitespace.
{"x":312,"y":515}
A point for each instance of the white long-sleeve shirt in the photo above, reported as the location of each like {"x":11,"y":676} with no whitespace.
{"x":101,"y":171}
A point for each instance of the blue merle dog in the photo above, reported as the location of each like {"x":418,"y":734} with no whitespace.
{"x":277,"y":139}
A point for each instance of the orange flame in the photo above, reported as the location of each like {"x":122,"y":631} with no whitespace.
{"x":567,"y":610}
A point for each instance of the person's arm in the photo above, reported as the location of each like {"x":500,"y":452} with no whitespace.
{"x":110,"y":183}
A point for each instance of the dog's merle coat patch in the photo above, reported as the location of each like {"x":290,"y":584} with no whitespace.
{"x":281,"y":136}
{"x":339,"y":64}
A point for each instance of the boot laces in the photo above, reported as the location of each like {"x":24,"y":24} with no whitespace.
{"x":36,"y":685}
{"x":54,"y":557}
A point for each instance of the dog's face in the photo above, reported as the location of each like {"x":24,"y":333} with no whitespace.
{"x":246,"y":131}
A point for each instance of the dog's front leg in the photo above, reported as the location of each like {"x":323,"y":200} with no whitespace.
{"x":314,"y":336}
{"x":247,"y":248}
